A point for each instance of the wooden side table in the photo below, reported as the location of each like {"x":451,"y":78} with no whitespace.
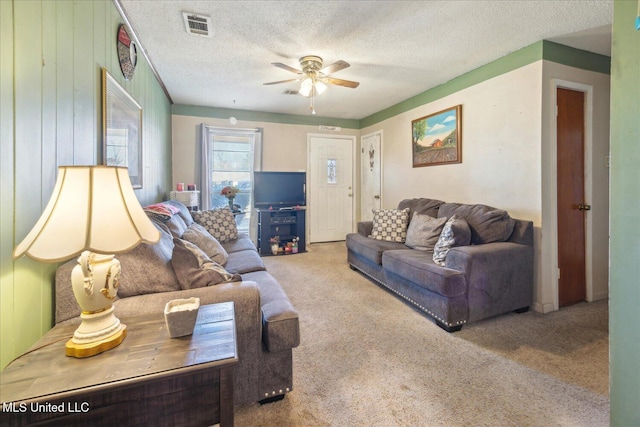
{"x":148,"y":379}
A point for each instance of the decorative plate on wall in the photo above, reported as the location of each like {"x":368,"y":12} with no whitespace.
{"x":127,"y":52}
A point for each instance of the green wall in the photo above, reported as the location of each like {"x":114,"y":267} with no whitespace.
{"x":624,"y":250}
{"x":52,"y":53}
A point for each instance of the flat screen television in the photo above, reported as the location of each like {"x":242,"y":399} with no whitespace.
{"x":279,"y":189}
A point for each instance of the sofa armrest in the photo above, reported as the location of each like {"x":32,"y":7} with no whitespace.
{"x":365,"y":228}
{"x":499,"y":276}
{"x":522,"y":232}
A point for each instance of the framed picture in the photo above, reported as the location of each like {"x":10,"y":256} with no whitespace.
{"x":436,"y":139}
{"x":121,"y":129}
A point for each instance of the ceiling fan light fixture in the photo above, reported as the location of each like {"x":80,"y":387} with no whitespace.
{"x":306,"y":87}
{"x":314,"y":78}
{"x":320,"y":87}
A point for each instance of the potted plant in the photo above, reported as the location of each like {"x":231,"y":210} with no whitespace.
{"x":230,"y":193}
{"x":294,"y":245}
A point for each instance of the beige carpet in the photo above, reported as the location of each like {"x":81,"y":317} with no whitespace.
{"x":366,"y":358}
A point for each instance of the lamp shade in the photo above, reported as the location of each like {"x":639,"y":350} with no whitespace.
{"x":92,"y":208}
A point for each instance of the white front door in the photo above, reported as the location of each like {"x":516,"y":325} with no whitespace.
{"x":330,"y":187}
{"x":370,"y":175}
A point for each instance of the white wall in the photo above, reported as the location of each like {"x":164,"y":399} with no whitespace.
{"x":500,"y":148}
{"x":284,"y":146}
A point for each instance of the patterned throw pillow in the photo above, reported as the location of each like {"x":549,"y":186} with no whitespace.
{"x":161,"y":211}
{"x":390,"y":224}
{"x":456,"y":232}
{"x":220,"y":223}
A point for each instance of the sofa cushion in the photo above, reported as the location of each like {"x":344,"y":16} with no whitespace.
{"x":369,"y":248}
{"x":199,"y":236}
{"x":455,"y":232}
{"x":194,"y":269}
{"x":246,"y":261}
{"x":390,"y":224}
{"x":147,"y":268}
{"x":487,"y":224}
{"x":423,"y":231}
{"x":219,"y":222}
{"x":421,"y":206}
{"x":242,"y":243}
{"x":418,"y":267}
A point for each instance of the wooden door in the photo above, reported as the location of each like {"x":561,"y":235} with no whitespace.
{"x":330,"y":188}
{"x":571,"y":204}
{"x":370,"y":175}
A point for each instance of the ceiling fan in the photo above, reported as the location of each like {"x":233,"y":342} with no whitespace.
{"x":313,"y":77}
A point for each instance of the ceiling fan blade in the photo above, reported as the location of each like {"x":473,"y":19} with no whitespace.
{"x":336,"y":66}
{"x":286,"y":67}
{"x":340,"y":82}
{"x":281,"y":81}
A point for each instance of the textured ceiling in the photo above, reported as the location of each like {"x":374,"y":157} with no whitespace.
{"x":397,"y":49}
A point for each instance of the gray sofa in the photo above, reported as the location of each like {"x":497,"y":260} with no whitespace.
{"x":267,"y":325}
{"x":491,"y":275}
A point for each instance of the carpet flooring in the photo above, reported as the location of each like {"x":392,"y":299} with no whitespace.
{"x":367,"y":358}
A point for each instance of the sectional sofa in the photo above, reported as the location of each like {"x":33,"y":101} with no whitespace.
{"x":267,"y":325}
{"x":486,"y":270}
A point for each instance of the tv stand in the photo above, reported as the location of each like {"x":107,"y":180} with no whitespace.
{"x":283,"y":223}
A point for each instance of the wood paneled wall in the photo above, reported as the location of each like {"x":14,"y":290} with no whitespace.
{"x":52,"y":53}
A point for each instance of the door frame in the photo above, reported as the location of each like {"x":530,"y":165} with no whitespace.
{"x":588,"y":184}
{"x":362,"y":138}
{"x":354,"y":183}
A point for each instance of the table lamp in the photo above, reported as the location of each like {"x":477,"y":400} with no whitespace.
{"x":93,"y":212}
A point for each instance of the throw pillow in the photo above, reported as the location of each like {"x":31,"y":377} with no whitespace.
{"x":423,"y":231}
{"x":147,"y":268}
{"x":220,"y":223}
{"x":456,"y":232}
{"x":487,"y":224}
{"x":194,"y":269}
{"x":390,"y":224}
{"x":162,"y":211}
{"x":199,"y":236}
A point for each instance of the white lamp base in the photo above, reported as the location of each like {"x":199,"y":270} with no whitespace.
{"x":81,"y":351}
{"x":95,"y":285}
{"x":98,"y":332}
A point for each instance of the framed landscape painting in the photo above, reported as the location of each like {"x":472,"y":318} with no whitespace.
{"x":436,"y":139}
{"x":122,"y":129}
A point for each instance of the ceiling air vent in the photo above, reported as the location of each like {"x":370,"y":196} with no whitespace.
{"x":199,"y":25}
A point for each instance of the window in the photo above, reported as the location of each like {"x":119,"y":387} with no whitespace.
{"x":231,"y":157}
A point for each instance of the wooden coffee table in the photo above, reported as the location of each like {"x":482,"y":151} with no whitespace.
{"x":149,"y":379}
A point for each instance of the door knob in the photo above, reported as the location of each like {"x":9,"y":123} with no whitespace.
{"x":350,"y":194}
{"x":377,"y":196}
{"x":584,"y":207}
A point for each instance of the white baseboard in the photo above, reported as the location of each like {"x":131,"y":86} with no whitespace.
{"x":599,"y":296}
{"x":543,"y":308}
